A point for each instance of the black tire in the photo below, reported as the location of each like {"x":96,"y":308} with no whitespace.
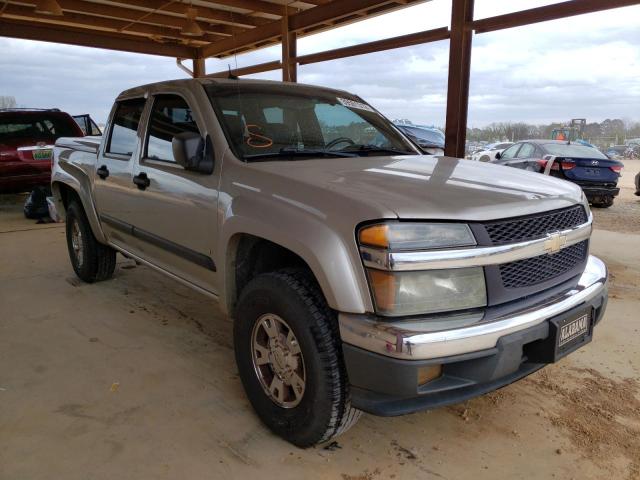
{"x":324,"y":411}
{"x":603,"y":202}
{"x":93,"y":262}
{"x":484,"y":158}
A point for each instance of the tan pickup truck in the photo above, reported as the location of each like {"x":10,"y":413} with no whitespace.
{"x":360,"y":274}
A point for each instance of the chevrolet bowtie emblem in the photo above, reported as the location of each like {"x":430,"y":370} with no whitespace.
{"x":555,"y":242}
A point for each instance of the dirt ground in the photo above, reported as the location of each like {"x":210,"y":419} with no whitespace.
{"x":134,"y":378}
{"x":624,"y":215}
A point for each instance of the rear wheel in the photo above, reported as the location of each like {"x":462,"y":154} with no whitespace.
{"x":289,"y":358}
{"x":91,"y":260}
{"x":484,"y":158}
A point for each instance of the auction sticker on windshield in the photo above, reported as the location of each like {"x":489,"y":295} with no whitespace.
{"x":353,"y":104}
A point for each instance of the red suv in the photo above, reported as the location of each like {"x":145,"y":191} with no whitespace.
{"x":26,"y":146}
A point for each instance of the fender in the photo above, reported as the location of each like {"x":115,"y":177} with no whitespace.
{"x":335,"y":264}
{"x":74,"y":176}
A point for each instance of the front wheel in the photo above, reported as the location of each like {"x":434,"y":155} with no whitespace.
{"x":289,"y":357}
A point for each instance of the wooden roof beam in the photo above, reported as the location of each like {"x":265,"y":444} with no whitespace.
{"x":100,"y":23}
{"x":208,"y":14}
{"x":83,"y":38}
{"x":417,"y":38}
{"x":314,"y":18}
{"x":253,"y":6}
{"x":411,"y":39}
{"x":258,"y":68}
{"x":549,"y":12}
{"x":135,"y":15}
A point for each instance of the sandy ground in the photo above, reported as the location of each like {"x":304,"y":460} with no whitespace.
{"x":624,"y":215}
{"x":134,"y":378}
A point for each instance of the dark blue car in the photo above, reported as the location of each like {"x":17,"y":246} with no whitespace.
{"x":429,"y":139}
{"x":588,"y":167}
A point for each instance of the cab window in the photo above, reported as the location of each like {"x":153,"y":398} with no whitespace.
{"x":124,"y":130}
{"x":170,"y":116}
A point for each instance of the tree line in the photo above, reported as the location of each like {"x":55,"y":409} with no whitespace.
{"x":607,"y":132}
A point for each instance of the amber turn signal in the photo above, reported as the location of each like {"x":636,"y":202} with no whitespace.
{"x":375,"y":236}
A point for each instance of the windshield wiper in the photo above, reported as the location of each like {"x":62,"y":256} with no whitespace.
{"x":299,"y":152}
{"x":375,"y":148}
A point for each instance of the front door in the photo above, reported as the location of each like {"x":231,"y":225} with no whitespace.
{"x":175,"y":210}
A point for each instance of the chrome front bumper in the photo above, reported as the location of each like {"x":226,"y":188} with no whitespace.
{"x":422,"y":339}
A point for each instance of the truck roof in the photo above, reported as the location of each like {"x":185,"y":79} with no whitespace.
{"x":140,"y":90}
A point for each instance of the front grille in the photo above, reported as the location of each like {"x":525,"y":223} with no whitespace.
{"x":531,"y":271}
{"x":528,"y":228}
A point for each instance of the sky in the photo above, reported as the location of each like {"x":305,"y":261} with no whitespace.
{"x":580,"y":67}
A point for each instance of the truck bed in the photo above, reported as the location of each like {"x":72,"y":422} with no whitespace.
{"x":84,"y":144}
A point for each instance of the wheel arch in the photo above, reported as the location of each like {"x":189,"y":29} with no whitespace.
{"x":70,"y":182}
{"x":325,"y":256}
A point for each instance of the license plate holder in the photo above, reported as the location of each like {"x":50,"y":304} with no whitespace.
{"x":567,"y":333}
{"x":571,"y":333}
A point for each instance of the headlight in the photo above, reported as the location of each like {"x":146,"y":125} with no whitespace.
{"x":417,"y":236}
{"x":427,"y":291}
{"x":424,"y":291}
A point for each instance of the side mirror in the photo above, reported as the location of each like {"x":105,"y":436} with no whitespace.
{"x":498,"y":155}
{"x":193,"y":152}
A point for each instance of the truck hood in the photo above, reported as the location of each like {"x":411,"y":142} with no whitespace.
{"x":425,"y":187}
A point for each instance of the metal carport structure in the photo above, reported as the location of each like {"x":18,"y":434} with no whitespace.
{"x":199,"y":29}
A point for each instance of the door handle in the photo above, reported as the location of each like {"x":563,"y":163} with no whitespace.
{"x":141,"y":180}
{"x":103,"y":172}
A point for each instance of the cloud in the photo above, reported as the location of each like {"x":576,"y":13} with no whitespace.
{"x":586,"y":66}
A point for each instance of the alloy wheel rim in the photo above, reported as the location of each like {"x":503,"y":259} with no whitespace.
{"x":76,"y":243}
{"x":278,"y":361}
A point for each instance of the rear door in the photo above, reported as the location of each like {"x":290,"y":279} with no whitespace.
{"x":113,"y":184}
{"x":175,"y":215}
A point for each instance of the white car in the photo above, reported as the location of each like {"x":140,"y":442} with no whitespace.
{"x":489,"y":152}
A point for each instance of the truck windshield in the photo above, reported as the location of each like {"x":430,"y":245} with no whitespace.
{"x":276,"y":122}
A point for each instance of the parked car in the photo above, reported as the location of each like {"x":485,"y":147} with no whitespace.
{"x":488,"y":154}
{"x":638,"y":184}
{"x":360,"y":276}
{"x":616,"y":152}
{"x":429,"y":139}
{"x":88,"y":126}
{"x":596,"y":174}
{"x":26,"y":146}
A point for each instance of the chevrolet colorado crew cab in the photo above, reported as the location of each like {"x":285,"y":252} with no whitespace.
{"x":361,"y":275}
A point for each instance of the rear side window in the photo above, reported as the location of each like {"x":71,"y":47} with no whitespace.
{"x":170,"y":116}
{"x":125,"y":127}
